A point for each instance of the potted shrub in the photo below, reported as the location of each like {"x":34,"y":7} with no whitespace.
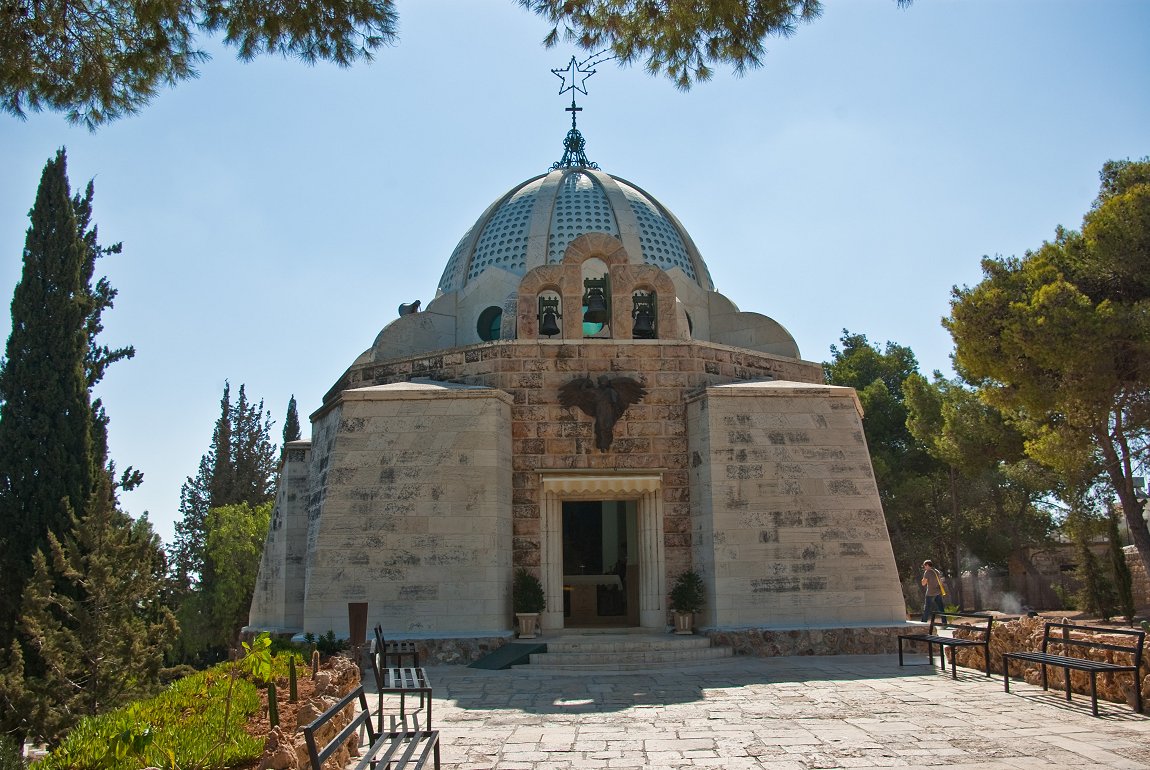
{"x":528,"y":601}
{"x":687,"y":598}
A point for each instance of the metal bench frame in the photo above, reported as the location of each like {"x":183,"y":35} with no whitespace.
{"x":1068,"y":640}
{"x":977,"y":623}
{"x":396,"y":748}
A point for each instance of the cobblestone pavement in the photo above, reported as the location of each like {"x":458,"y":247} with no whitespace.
{"x":794,"y":713}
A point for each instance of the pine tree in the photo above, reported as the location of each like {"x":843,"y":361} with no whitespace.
{"x":238,"y":470}
{"x":239,"y":467}
{"x":47,"y":463}
{"x":94,"y":629}
{"x":291,"y":423}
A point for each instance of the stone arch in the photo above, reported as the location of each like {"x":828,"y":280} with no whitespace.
{"x":566,"y":278}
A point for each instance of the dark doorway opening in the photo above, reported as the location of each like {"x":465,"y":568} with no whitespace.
{"x":600,"y":565}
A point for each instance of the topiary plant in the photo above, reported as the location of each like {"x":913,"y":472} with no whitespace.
{"x":527,"y":593}
{"x":687,"y":594}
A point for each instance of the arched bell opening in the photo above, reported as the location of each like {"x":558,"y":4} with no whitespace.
{"x":644,"y":314}
{"x":550,"y":306}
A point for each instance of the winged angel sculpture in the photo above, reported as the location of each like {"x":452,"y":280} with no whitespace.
{"x":605,"y":401}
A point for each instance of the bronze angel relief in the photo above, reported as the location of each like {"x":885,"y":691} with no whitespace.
{"x":605,"y":402}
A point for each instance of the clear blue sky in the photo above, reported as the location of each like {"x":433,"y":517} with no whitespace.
{"x":274,"y":215}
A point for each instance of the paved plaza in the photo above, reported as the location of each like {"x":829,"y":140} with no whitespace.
{"x":791,"y":713}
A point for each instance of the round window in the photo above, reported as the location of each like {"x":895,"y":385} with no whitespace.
{"x":490,"y":323}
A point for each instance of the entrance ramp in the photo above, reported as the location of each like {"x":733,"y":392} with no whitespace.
{"x":510,"y":654}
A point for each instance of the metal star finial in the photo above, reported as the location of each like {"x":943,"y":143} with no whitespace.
{"x":574,"y":78}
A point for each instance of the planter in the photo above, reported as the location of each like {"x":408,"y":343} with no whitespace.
{"x":528,"y":624}
{"x":684,"y":622}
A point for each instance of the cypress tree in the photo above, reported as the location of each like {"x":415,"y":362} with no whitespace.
{"x":1123,"y":578}
{"x":47,"y":463}
{"x":291,"y":422}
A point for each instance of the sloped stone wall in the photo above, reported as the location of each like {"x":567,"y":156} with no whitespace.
{"x":788,"y":527}
{"x":413,"y":514}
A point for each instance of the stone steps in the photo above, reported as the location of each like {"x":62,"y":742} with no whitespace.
{"x":625,"y":652}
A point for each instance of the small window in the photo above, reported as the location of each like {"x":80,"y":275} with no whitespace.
{"x":490,"y":323}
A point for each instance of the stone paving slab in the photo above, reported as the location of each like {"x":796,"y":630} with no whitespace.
{"x":793,"y":713}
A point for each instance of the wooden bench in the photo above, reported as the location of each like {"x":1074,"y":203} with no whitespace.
{"x":394,"y":650}
{"x":406,"y":748}
{"x":975,"y":627}
{"x":1071,"y":637}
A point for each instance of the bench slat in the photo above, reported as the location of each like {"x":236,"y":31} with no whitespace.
{"x":1062,"y":661}
{"x":423,"y":742}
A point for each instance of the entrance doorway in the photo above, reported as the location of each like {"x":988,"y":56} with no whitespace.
{"x":646,"y":565}
{"x":600,"y":569}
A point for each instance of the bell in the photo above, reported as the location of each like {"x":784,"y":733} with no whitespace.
{"x":596,"y":312}
{"x":550,"y":326}
{"x":644,"y":328}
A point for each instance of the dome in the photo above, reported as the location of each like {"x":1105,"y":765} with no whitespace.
{"x":532,"y":224}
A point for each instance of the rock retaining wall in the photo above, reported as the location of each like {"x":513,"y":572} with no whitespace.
{"x":763,"y":643}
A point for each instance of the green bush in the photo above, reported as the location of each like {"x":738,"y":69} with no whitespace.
{"x":527,"y":593}
{"x":10,"y":754}
{"x":327,"y":644}
{"x":183,"y":727}
{"x":688,"y":594}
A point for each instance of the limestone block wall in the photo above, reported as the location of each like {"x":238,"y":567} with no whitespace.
{"x":787,"y":525}
{"x":411,"y":510}
{"x":547,"y":436}
{"x":277,"y":603}
{"x":1140,"y":580}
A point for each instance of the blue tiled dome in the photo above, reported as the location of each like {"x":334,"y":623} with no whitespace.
{"x":533,"y":223}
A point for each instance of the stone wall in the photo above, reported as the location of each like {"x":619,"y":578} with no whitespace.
{"x":788,"y":528}
{"x":847,"y":640}
{"x":411,"y":510}
{"x":1141,"y":581}
{"x":547,"y":436}
{"x":277,"y":603}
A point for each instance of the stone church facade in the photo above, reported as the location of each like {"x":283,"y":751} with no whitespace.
{"x":444,"y":458}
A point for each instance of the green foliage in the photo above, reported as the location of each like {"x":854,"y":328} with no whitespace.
{"x":110,"y":61}
{"x":688,"y":593}
{"x":94,"y":629}
{"x":100,"y":66}
{"x":681,"y":39}
{"x":179,"y":728}
{"x":235,"y":541}
{"x":994,"y":492}
{"x":1096,"y":591}
{"x":11,"y":757}
{"x":1067,"y":600}
{"x":1060,"y":340}
{"x":291,"y":422}
{"x":527,"y":593}
{"x":257,"y":660}
{"x":225,"y":512}
{"x":49,"y":455}
{"x":325,"y":644}
{"x":1123,"y":578}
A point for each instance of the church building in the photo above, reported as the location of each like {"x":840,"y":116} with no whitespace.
{"x":578,"y":400}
